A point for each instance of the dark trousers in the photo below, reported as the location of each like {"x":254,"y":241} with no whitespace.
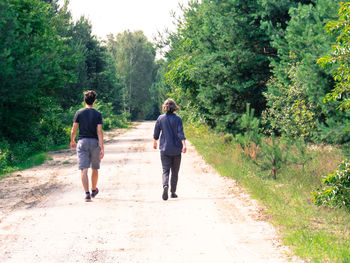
{"x":170,"y":163}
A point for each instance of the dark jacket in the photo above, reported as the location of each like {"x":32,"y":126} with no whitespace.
{"x":170,"y":127}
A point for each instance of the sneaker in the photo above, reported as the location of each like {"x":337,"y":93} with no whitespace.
{"x":165,"y":193}
{"x":94,"y":193}
{"x":87,"y":198}
{"x":173,"y":195}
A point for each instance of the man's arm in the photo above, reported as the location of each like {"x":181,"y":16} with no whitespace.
{"x":180,"y":130}
{"x":184,"y":149}
{"x":100,"y":140}
{"x":73,"y":133}
{"x":180,"y":133}
{"x":156,"y":134}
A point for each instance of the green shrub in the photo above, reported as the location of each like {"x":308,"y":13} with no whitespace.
{"x":335,"y":190}
{"x":250,"y":138}
{"x":51,"y":130}
{"x":273,"y":155}
{"x":301,"y":155}
{"x":335,"y":130}
{"x":290,"y":111}
{"x":250,"y":128}
{"x":4,"y":156}
{"x":110,"y":119}
{"x":228,"y":138}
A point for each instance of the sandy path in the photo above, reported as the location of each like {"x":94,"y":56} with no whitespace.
{"x":211,"y":221}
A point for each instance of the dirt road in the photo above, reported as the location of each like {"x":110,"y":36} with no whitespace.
{"x":43,"y":217}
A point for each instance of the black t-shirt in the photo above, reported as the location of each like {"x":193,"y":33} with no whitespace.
{"x":88,"y":119}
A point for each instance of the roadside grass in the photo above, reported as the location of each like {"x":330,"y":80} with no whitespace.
{"x":34,"y":160}
{"x":59,"y":147}
{"x":316,"y":234}
{"x":31,"y":161}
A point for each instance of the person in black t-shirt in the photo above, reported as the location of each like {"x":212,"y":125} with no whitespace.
{"x":90,"y":142}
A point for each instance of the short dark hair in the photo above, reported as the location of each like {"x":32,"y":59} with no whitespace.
{"x":90,"y":97}
{"x":169,"y":106}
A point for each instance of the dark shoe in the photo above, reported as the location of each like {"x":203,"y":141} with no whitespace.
{"x":173,"y":195}
{"x":165,"y":193}
{"x":94,"y":193}
{"x":87,"y":198}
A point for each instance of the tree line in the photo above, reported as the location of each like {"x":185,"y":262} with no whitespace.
{"x":227,"y":54}
{"x":47,"y":61}
{"x":223,"y":56}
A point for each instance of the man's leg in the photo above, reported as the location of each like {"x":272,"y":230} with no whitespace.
{"x":83,"y":164}
{"x":85,"y":179}
{"x":175,"y":167}
{"x":166,"y":164}
{"x":94,"y":178}
{"x":95,"y":165}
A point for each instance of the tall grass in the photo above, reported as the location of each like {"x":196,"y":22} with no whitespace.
{"x":314,"y":233}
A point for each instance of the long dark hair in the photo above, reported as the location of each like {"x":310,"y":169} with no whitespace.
{"x":169,"y":106}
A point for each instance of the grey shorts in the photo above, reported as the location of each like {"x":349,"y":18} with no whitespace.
{"x":88,"y":151}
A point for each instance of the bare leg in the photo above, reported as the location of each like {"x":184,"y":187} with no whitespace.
{"x":94,"y":178}
{"x":85,"y":179}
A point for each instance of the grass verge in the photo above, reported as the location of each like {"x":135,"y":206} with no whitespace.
{"x":34,"y":160}
{"x":316,"y":234}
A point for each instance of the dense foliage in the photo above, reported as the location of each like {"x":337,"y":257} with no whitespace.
{"x":225,"y":54}
{"x":47,"y":61}
{"x":335,"y":190}
{"x":339,"y":56}
{"x":31,"y":68}
{"x":219,"y":60}
{"x":296,"y":92}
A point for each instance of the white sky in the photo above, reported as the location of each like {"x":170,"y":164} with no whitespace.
{"x":115,"y":16}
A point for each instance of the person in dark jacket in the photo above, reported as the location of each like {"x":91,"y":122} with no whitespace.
{"x":172,"y":144}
